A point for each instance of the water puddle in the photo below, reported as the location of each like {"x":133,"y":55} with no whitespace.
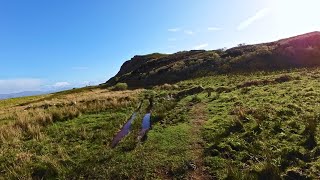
{"x":146,"y":125}
{"x":146,"y":122}
{"x":124,"y":131}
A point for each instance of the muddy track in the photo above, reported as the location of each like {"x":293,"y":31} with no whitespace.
{"x":198,"y":116}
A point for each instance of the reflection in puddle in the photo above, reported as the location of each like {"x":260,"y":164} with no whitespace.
{"x":146,"y":125}
{"x":124,"y":131}
{"x":146,"y":122}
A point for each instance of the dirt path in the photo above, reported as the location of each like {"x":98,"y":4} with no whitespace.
{"x":198,"y":117}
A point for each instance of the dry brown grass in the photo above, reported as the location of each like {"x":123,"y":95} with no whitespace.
{"x":27,"y":121}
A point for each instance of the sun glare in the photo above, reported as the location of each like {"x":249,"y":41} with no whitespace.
{"x":293,"y":17}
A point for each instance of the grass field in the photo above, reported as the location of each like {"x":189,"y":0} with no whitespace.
{"x":253,"y":126}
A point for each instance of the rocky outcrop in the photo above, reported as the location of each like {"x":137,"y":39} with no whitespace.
{"x":157,"y":69}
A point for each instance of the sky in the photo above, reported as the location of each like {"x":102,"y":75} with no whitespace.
{"x":47,"y":45}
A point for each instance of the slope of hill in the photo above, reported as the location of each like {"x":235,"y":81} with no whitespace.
{"x":155,"y":69}
{"x":31,"y":93}
{"x":249,"y":127}
{"x":257,"y":125}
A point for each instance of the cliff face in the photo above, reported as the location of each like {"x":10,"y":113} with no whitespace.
{"x":155,"y":69}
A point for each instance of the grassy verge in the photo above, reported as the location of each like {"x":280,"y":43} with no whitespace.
{"x":252,"y":126}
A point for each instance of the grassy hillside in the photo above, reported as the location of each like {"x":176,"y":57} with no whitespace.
{"x":263,"y":125}
{"x":155,"y":69}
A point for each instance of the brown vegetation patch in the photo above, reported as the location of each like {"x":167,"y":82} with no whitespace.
{"x":27,"y":121}
{"x":281,"y":79}
{"x":192,"y":91}
{"x":198,"y":118}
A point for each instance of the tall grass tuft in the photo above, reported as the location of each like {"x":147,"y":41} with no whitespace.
{"x":28,"y":123}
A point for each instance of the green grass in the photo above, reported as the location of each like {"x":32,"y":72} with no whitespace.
{"x":80,"y":148}
{"x":17,"y":101}
{"x":251,"y":132}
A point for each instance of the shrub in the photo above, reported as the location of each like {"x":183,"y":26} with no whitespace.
{"x":120,"y":87}
{"x":196,"y":99}
{"x":166,"y":87}
{"x":284,"y":78}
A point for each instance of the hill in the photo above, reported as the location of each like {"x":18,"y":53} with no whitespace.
{"x":22,"y":94}
{"x":30,"y":93}
{"x":156,"y":69}
{"x":248,"y":127}
{"x":221,"y":125}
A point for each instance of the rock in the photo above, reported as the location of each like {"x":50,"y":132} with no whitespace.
{"x":192,"y":166}
{"x":192,"y":91}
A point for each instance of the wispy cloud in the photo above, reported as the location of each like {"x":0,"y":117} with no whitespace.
{"x":174,"y":29}
{"x":19,"y":85}
{"x":189,"y":32}
{"x":80,"y":68}
{"x":200,"y":46}
{"x":61,"y":84}
{"x":172,"y":39}
{"x":214,"y":29}
{"x":260,"y":14}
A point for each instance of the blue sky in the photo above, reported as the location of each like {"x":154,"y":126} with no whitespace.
{"x":47,"y":45}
